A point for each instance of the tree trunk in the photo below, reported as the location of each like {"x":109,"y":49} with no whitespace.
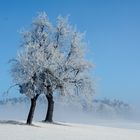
{"x":49,"y":115}
{"x":32,"y":109}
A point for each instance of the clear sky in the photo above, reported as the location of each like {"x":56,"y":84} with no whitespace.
{"x":112,"y":31}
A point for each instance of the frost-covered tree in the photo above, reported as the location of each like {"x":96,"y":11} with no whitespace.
{"x":52,"y":59}
{"x":30,"y":60}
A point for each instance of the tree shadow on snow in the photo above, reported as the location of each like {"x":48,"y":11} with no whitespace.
{"x":11,"y":122}
{"x":57,"y":123}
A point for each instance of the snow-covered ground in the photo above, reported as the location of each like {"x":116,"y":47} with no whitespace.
{"x":17,"y":130}
{"x":72,"y":124}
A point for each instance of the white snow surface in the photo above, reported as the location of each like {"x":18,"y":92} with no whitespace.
{"x":70,"y":124}
{"x":17,"y":130}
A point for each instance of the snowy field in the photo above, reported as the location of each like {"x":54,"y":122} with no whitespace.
{"x":17,"y":130}
{"x":71,"y":124}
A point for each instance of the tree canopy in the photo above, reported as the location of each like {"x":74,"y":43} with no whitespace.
{"x":53,"y":55}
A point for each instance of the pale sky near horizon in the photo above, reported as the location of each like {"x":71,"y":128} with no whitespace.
{"x":112,"y":31}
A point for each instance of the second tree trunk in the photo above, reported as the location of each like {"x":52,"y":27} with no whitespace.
{"x":49,"y":115}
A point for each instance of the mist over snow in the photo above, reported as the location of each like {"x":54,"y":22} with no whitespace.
{"x":104,"y":111}
{"x":71,"y":121}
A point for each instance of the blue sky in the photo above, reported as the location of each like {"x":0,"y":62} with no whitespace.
{"x":112,"y":31}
